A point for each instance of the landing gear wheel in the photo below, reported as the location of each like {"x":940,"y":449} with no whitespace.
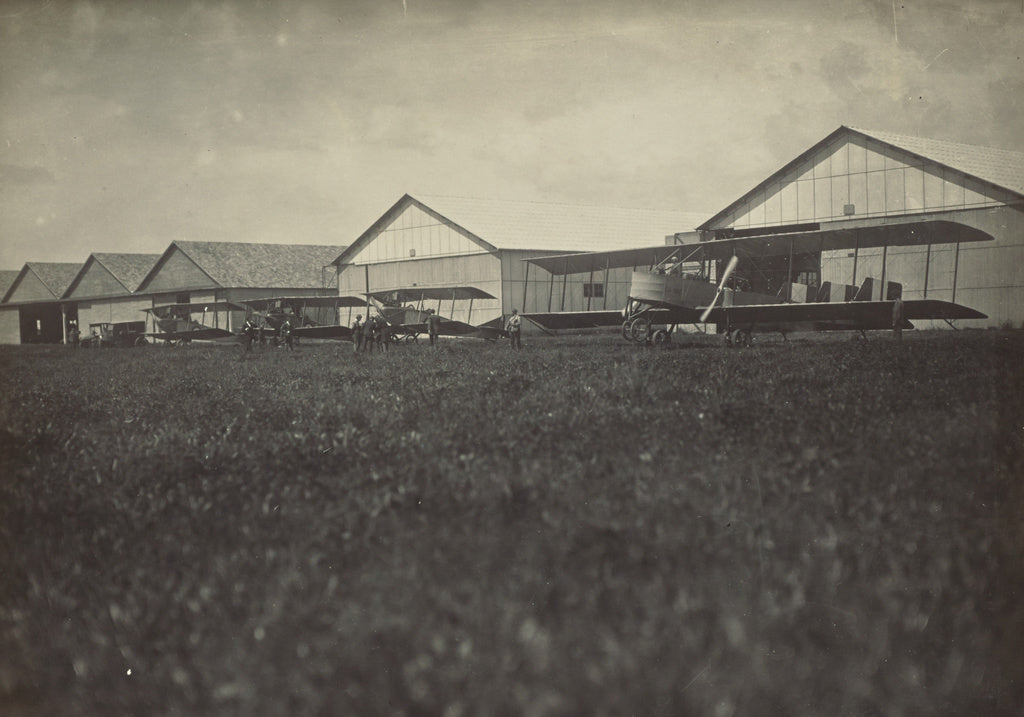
{"x":625,"y":330}
{"x":640,"y":329}
{"x":141,"y":341}
{"x":741,"y":338}
{"x":661,"y":338}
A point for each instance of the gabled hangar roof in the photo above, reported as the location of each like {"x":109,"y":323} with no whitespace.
{"x":53,"y":278}
{"x":1001,"y":168}
{"x":245,"y":264}
{"x":7,"y":277}
{"x":127,"y":270}
{"x":501,"y":224}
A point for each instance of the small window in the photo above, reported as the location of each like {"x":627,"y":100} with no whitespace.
{"x":181,"y":298}
{"x":595,"y":291}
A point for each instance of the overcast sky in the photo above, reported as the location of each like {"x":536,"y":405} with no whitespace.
{"x":126,"y":125}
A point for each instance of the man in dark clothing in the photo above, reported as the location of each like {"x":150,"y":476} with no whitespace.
{"x":433,"y":327}
{"x":383,"y":334}
{"x":513,"y":326}
{"x":286,"y":334}
{"x":357,"y":333}
{"x":248,"y":334}
{"x":370,"y":334}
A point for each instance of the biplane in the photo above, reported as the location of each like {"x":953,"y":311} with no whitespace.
{"x":311,"y":317}
{"x":756,"y":287}
{"x":406,"y":312}
{"x":174,"y":323}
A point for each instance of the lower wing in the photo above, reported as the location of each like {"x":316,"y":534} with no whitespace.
{"x":841,"y":315}
{"x":322,"y":332}
{"x":206,"y":334}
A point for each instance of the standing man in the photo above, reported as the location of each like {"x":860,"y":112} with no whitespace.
{"x":357,"y":333}
{"x":433,"y":326}
{"x":513,"y":327}
{"x":248,"y":334}
{"x":370,"y":333}
{"x":286,"y":334}
{"x":383,"y":334}
{"x":897,"y":319}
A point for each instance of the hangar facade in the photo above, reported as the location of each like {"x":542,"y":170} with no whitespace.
{"x":9,"y":332}
{"x":197,"y":272}
{"x":862,"y":179}
{"x":32,"y":307}
{"x":434,"y":243}
{"x":104,"y":289}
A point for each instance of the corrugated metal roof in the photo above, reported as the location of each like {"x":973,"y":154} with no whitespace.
{"x":540,"y":226}
{"x":1002,"y":167}
{"x":271,"y":266}
{"x":56,"y":277}
{"x":129,"y":269}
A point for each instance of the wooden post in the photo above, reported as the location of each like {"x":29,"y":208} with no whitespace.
{"x":605,"y":290}
{"x":366,"y":276}
{"x":565,"y":279}
{"x":526,"y":280}
{"x":885,"y":252}
{"x":590,"y":295}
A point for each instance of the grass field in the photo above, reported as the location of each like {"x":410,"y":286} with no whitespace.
{"x":820,"y":527}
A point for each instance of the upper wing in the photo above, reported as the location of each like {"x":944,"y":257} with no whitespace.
{"x":429,"y":293}
{"x":305,"y":301}
{"x":163,"y":310}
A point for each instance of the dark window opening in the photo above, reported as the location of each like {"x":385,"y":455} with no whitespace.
{"x":595,"y":291}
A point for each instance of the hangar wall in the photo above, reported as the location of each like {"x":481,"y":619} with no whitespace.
{"x":483,"y":271}
{"x":114,"y":311}
{"x":545,"y":292}
{"x":10,"y":327}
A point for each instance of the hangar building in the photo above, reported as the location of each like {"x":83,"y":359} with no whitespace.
{"x":194,"y":272}
{"x":433,"y":243}
{"x":31,"y":310}
{"x":9,"y":331}
{"x":865,"y":179}
{"x":104,"y":289}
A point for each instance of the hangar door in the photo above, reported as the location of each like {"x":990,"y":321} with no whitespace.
{"x":41,"y":323}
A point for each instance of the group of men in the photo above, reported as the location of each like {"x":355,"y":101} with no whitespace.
{"x":374,"y":334}
{"x":377,"y":333}
{"x":256,"y":334}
